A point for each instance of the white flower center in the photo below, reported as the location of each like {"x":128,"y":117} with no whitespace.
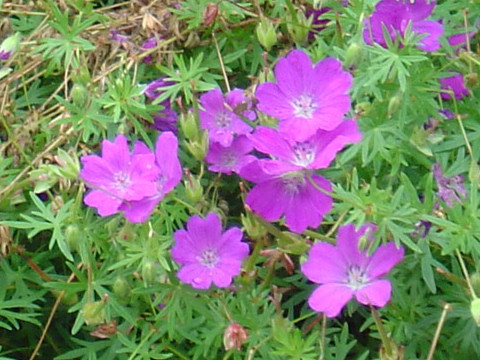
{"x":356,"y":277}
{"x":293,"y":183}
{"x":304,"y":106}
{"x":304,"y":154}
{"x":208,"y":258}
{"x":122,"y":180}
{"x":228,"y":159}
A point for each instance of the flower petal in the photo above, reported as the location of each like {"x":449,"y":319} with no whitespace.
{"x":376,"y":293}
{"x":330,"y":298}
{"x":383,"y":259}
{"x":325,"y":264}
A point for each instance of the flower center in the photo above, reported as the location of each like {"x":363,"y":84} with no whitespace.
{"x":293,"y":183}
{"x":304,"y":106}
{"x":208,"y":258}
{"x":223,"y":119}
{"x":304,"y":154}
{"x":228,"y":159}
{"x":356,"y":277}
{"x":122,"y":180}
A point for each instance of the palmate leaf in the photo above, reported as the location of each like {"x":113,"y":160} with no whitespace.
{"x":43,"y":220}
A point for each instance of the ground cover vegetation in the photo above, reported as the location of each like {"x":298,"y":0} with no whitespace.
{"x":288,"y":179}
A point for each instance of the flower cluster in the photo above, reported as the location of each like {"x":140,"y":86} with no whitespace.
{"x":131,"y":182}
{"x":395,"y":16}
{"x":344,"y":271}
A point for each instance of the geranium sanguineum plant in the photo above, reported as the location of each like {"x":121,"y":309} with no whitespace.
{"x":206,"y":254}
{"x":345,"y":271}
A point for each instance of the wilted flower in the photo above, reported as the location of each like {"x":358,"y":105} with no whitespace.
{"x":344,"y":271}
{"x":218,"y":117}
{"x":305,"y":97}
{"x":396,"y":15}
{"x":117,"y":37}
{"x":117,"y":176}
{"x":168,"y":177}
{"x":454,"y":87}
{"x":148,"y":44}
{"x":231,"y":158}
{"x":450,"y":189}
{"x":233,"y":336}
{"x":206,"y":254}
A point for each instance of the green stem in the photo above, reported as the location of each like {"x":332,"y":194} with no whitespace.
{"x":251,"y":260}
{"x":135,"y":352}
{"x":465,"y":273}
{"x":382,"y":332}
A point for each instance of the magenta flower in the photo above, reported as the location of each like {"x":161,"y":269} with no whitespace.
{"x":206,"y":254}
{"x":219,"y":118}
{"x":318,"y":23}
{"x":315,"y":152}
{"x":169,"y":175}
{"x":396,"y":15}
{"x":118,"y":176}
{"x":305,"y":97}
{"x":229,"y":159}
{"x":343,"y":271}
{"x":165,"y":119}
{"x":450,"y":189}
{"x":150,"y":43}
{"x":290,"y":194}
{"x":452,"y":86}
{"x":4,"y":55}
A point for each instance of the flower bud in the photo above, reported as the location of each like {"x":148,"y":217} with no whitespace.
{"x":149,"y":273}
{"x":353,"y":54}
{"x":209,"y":14}
{"x":397,"y":351}
{"x":475,"y":310}
{"x":475,"y":281}
{"x":94,"y":313}
{"x":198,"y":148}
{"x":394,"y":104}
{"x":252,"y":226}
{"x":189,"y":126}
{"x":266,"y":34}
{"x":298,"y":27}
{"x":9,"y":46}
{"x":193,"y":189}
{"x":233,"y":336}
{"x":72,"y":236}
{"x":79,"y":95}
{"x":121,"y":288}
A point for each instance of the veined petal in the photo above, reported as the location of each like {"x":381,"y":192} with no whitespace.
{"x":383,"y":259}
{"x":376,"y":293}
{"x":330,"y":298}
{"x":325,"y":264}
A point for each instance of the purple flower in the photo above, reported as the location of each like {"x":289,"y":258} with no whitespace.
{"x":305,"y":98}
{"x":460,"y":39}
{"x":315,"y":152}
{"x":452,"y":84}
{"x":168,"y":176}
{"x":450,"y":189}
{"x":446,"y":114}
{"x":4,"y":55}
{"x":148,"y":44}
{"x":396,"y":15}
{"x":118,"y":176}
{"x":117,"y":37}
{"x":229,"y":159}
{"x":165,"y":119}
{"x":219,"y":118}
{"x":206,"y":254}
{"x":318,"y":24}
{"x":345,"y":272}
{"x":289,"y":194}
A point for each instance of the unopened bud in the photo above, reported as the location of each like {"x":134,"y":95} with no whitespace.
{"x":94,"y":313}
{"x":193,"y":189}
{"x":266,"y":34}
{"x":79,"y":95}
{"x":199,"y":147}
{"x":72,"y":237}
{"x":9,"y":46}
{"x":121,"y":288}
{"x":252,"y":226}
{"x":397,"y":352}
{"x":209,"y":14}
{"x":353,"y":54}
{"x":149,"y":273}
{"x":363,"y":108}
{"x":298,"y":27}
{"x":189,"y":126}
{"x":475,"y":310}
{"x":394,"y":104}
{"x":234,"y":336}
